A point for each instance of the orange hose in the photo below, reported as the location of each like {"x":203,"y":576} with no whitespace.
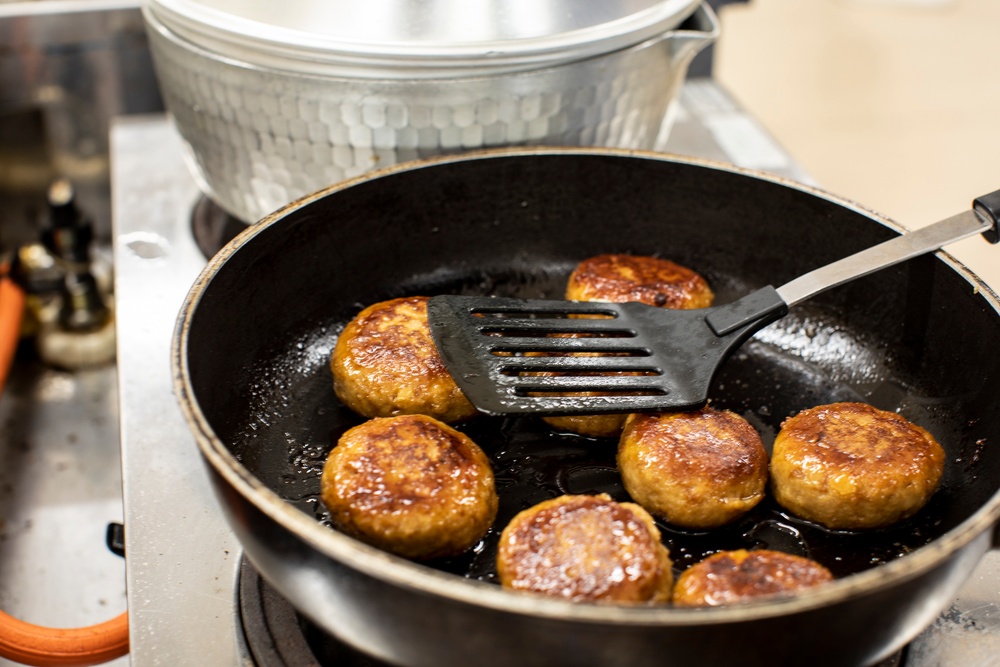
{"x":11,"y":311}
{"x":33,"y":644}
{"x":36,"y":645}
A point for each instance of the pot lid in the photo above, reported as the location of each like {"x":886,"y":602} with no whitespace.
{"x":418,"y":33}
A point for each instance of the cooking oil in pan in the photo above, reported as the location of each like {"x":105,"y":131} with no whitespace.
{"x":533,"y":463}
{"x":294,"y":421}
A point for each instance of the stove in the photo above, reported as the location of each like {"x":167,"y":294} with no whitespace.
{"x":192,"y":598}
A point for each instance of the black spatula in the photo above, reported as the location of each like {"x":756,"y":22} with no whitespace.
{"x":514,"y":356}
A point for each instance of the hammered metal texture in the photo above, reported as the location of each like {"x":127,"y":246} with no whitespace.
{"x":259,"y":139}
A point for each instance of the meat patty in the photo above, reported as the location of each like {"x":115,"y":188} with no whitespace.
{"x":699,"y":469}
{"x":730,"y":577}
{"x":852,"y":466}
{"x":410,"y":485}
{"x":385,"y":363}
{"x":650,"y":280}
{"x":619,"y":278}
{"x":586,"y":548}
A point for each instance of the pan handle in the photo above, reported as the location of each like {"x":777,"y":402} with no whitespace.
{"x":982,"y":218}
{"x":987,"y":207}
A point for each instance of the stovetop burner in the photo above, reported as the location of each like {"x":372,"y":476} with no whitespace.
{"x":278,"y":636}
{"x":212,"y":226}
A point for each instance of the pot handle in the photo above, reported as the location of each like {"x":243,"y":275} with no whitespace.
{"x":696,"y":32}
{"x":987,"y":207}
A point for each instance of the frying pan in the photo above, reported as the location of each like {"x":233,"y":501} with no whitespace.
{"x":251,"y":354}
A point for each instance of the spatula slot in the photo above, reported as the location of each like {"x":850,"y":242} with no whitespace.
{"x":552,"y":348}
{"x":578,"y":365}
{"x":526,"y":385}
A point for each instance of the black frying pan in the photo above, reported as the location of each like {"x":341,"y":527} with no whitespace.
{"x":251,"y":361}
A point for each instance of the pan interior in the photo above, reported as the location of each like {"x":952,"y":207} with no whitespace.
{"x":914,"y":339}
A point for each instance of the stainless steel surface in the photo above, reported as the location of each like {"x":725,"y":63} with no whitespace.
{"x":421,"y":34}
{"x":60,"y":485}
{"x":968,"y":634}
{"x":261,"y":137}
{"x":66,"y":68}
{"x":182,"y":560}
{"x":924,"y":240}
{"x":181,"y":555}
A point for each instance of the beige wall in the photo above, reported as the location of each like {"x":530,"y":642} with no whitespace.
{"x":892,"y":103}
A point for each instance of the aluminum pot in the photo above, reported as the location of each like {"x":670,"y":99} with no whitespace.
{"x":272,"y":112}
{"x":251,"y":355}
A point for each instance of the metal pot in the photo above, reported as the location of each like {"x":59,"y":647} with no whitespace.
{"x":251,"y":366}
{"x":273,"y":106}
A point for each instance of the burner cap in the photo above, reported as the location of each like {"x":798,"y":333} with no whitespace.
{"x":278,"y":636}
{"x":213,"y":227}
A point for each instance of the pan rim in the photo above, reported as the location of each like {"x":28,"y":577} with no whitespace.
{"x":403,"y":573}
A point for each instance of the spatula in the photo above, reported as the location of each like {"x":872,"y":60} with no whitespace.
{"x":514,"y":356}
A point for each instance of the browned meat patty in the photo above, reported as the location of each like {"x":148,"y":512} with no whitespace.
{"x":586,"y":548}
{"x":618,"y":278}
{"x":730,"y":577}
{"x":648,"y":280}
{"x":697,"y":469}
{"x":852,"y":466}
{"x":410,"y":485}
{"x":385,"y":363}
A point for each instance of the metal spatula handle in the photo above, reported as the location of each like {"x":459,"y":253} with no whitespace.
{"x":981,"y":219}
{"x":561,"y":357}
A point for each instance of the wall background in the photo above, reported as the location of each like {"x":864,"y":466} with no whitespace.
{"x":892,"y":103}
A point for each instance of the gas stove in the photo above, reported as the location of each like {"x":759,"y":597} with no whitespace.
{"x":192,"y":599}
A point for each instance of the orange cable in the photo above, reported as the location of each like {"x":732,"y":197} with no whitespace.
{"x":51,"y":647}
{"x":33,"y":644}
{"x":11,"y":312}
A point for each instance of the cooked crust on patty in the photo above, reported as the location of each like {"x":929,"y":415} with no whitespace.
{"x":618,"y":278}
{"x":649,"y":280}
{"x":697,"y":469}
{"x":730,"y":577}
{"x":592,"y":426}
{"x":410,"y":485}
{"x":385,"y":363}
{"x":586,"y":548}
{"x":851,"y":466}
